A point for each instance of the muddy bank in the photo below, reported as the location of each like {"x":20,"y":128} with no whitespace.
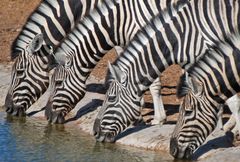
{"x":218,"y":147}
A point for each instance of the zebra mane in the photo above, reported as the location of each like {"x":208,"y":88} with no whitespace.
{"x":183,"y":86}
{"x":109,"y":77}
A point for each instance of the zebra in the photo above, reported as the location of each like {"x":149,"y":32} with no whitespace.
{"x":113,"y":23}
{"x":182,"y":40}
{"x":206,"y":85}
{"x":33,"y":49}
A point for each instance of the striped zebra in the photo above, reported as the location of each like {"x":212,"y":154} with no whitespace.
{"x":181,"y":40}
{"x":207,"y":84}
{"x":113,"y":23}
{"x":32,"y":50}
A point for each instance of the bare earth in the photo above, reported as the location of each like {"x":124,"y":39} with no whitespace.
{"x":13,"y":14}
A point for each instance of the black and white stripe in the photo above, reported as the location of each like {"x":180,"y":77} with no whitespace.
{"x":51,"y":21}
{"x":206,"y":85}
{"x":113,"y":23}
{"x":182,"y":40}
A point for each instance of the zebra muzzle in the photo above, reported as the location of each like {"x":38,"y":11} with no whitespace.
{"x":174,"y":147}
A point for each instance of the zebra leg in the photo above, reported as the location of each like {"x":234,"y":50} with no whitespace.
{"x":230,"y":124}
{"x":234,"y":106}
{"x":220,"y":122}
{"x":159,"y":112}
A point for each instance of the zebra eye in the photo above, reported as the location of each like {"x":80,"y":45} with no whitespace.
{"x":112,"y":98}
{"x":20,"y":73}
{"x":58,"y":83}
{"x":188,"y":112}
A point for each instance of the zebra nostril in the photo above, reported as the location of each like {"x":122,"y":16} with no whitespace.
{"x":95,"y":133}
{"x":96,"y":127}
{"x":188,"y":153}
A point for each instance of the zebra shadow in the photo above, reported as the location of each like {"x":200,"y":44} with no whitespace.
{"x":93,"y":104}
{"x":96,"y":88}
{"x":135,"y":129}
{"x":89,"y":107}
{"x":35,"y":111}
{"x":224,"y":141}
{"x":170,"y":109}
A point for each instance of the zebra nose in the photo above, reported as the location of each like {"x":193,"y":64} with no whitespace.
{"x":13,"y":109}
{"x":96,"y":128}
{"x":9,"y":103}
{"x":48,"y":111}
{"x":174,"y":147}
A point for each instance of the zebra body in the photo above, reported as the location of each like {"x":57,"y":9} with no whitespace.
{"x":182,"y":40}
{"x":207,"y":84}
{"x":45,"y":28}
{"x":112,"y":24}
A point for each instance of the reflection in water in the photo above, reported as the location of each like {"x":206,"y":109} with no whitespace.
{"x":35,"y":140}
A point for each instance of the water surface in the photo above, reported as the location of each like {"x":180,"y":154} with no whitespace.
{"x":31,"y":139}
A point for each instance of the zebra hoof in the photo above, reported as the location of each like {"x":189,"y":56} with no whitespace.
{"x":158,"y":122}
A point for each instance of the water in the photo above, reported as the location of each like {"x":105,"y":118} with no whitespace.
{"x":32,"y":139}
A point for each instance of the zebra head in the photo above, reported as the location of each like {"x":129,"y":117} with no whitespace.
{"x":66,"y":90}
{"x":197,"y":118}
{"x":30,"y":74}
{"x":119,"y":110}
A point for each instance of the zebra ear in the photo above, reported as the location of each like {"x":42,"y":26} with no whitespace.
{"x":36,"y":43}
{"x":116,"y":73}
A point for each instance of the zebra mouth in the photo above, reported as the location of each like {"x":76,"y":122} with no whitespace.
{"x":188,"y":153}
{"x":16,"y":110}
{"x":180,"y":152}
{"x":53,"y":115}
{"x":100,"y":135}
{"x":105,"y":137}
